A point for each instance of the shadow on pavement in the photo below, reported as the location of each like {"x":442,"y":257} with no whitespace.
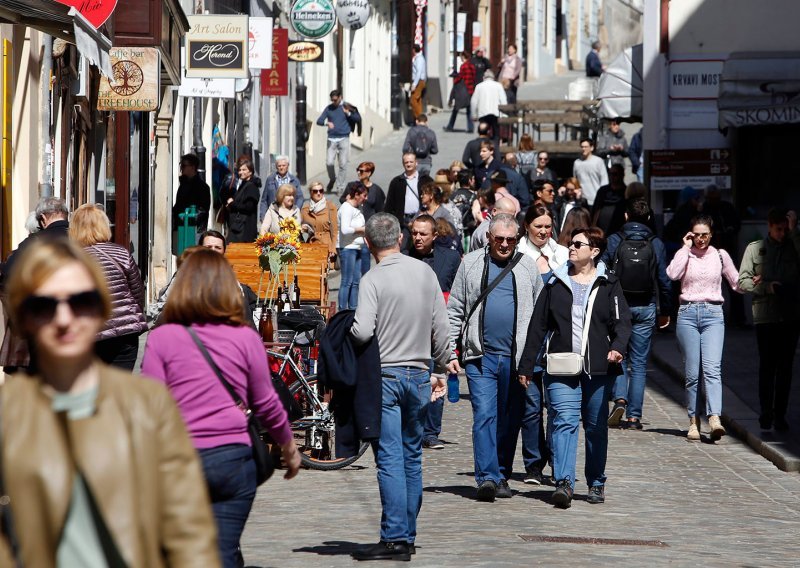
{"x":332,"y":548}
{"x":542,"y":494}
{"x":667,"y":431}
{"x":466,"y":491}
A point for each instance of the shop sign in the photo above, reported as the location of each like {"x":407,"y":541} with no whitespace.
{"x":217,"y":47}
{"x":275,"y":80}
{"x":260,"y":43}
{"x":695,"y":80}
{"x":313,"y":18}
{"x":134,"y":85}
{"x":96,"y":11}
{"x":675,"y":169}
{"x":306,"y":51}
{"x":208,"y":88}
{"x":353,"y":14}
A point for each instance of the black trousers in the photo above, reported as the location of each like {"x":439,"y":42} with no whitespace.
{"x":119,"y":351}
{"x":777,"y":343}
{"x":493,"y":123}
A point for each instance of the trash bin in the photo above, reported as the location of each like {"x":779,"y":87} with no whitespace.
{"x":187,"y":230}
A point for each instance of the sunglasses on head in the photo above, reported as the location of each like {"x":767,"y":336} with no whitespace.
{"x":42,"y":309}
{"x":500,"y":240}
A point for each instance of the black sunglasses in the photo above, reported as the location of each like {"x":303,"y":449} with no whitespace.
{"x":361,"y":171}
{"x":42,"y":309}
{"x":500,"y":240}
{"x":317,"y":191}
{"x":577,"y":245}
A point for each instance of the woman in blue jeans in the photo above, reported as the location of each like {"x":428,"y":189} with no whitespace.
{"x":351,"y":244}
{"x":205,"y":296}
{"x":576,"y":289}
{"x":701,"y":323}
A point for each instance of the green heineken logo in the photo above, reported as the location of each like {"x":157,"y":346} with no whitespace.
{"x":313,"y":18}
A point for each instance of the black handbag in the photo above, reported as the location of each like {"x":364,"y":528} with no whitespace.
{"x":261,"y":456}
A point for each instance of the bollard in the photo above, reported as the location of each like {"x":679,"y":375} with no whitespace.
{"x":187,"y":230}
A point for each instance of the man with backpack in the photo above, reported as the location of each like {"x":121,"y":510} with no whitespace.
{"x":638,"y":259}
{"x":421,"y":141}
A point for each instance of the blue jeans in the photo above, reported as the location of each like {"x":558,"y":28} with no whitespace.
{"x":629,"y":386}
{"x":701,"y":335}
{"x":398,"y":452}
{"x":350,"y":263}
{"x":366,"y":260}
{"x":573,"y":399}
{"x":497,"y":402}
{"x":534,"y":446}
{"x":433,"y":423}
{"x":230,"y":474}
{"x":454,"y":116}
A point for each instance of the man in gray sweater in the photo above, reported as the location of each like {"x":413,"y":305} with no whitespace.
{"x":492,"y":337}
{"x":590,"y":171}
{"x":410,"y":334}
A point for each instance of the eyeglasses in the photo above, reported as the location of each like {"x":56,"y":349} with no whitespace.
{"x":42,"y":309}
{"x":701,"y":235}
{"x":317,"y":190}
{"x":577,"y":245}
{"x":500,"y":240}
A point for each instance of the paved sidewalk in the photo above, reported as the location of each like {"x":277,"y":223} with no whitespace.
{"x":740,"y":394}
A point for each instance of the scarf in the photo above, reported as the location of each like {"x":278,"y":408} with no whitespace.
{"x":317,"y":207}
{"x":549,"y":250}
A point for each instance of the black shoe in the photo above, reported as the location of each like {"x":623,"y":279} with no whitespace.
{"x":597,"y":494}
{"x":412,"y":548}
{"x":487,"y":491}
{"x":533,"y":476}
{"x":562,"y":496}
{"x":503,"y":490}
{"x":616,"y":414}
{"x":781,"y":425}
{"x":765,"y":421}
{"x":634,"y":424}
{"x":331,"y":183}
{"x":433,"y":443}
{"x":447,"y":129}
{"x":384,"y":551}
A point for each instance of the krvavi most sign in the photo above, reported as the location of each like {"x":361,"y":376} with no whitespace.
{"x":217,"y":47}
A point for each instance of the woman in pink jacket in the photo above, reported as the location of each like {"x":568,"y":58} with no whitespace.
{"x":701,"y":324}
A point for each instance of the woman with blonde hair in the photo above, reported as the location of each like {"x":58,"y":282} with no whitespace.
{"x":205,"y":306}
{"x":319,"y":218}
{"x":97,"y":463}
{"x":118,"y":341}
{"x":282,"y":208}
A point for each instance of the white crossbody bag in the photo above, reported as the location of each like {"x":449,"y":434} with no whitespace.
{"x":571,"y":364}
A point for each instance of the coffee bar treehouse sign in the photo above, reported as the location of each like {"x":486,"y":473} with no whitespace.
{"x":217,"y":47}
{"x":135,"y":82}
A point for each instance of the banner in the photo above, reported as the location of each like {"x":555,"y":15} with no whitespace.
{"x":217,"y":47}
{"x":260,"y":43}
{"x":275,"y":80}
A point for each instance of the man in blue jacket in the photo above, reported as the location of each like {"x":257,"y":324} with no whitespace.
{"x":279,"y":177}
{"x":339,"y":118}
{"x":647,"y":292}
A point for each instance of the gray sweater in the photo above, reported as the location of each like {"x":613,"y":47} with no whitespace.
{"x":470,"y":280}
{"x":400,"y":303}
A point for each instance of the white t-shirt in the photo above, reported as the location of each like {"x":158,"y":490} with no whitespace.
{"x":350,"y":218}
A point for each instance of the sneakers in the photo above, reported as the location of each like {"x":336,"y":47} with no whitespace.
{"x":616,"y":413}
{"x":597,"y":494}
{"x":562,"y":496}
{"x":487,"y":491}
{"x":433,"y":443}
{"x":717,"y":430}
{"x":503,"y":490}
{"x":533,"y":476}
{"x":384,"y":551}
{"x":693,"y":435}
{"x":632,"y":424}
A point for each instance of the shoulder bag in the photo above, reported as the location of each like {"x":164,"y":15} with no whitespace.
{"x":571,"y":364}
{"x":481,"y":297}
{"x":261,"y":456}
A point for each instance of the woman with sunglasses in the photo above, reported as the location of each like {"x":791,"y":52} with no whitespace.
{"x":376,"y":198}
{"x":319,"y":218}
{"x":576,"y":289}
{"x":118,"y":342}
{"x":97,"y":463}
{"x":351,"y":245}
{"x":701,"y":324}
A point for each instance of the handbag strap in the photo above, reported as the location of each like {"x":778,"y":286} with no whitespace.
{"x":485,"y":293}
{"x":586,"y":322}
{"x":236,"y":398}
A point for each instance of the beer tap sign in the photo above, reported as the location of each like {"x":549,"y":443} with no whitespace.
{"x":353,"y":14}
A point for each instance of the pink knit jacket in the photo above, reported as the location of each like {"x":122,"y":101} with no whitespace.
{"x":701,"y":272}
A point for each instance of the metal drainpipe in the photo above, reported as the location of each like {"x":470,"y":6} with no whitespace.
{"x":197,"y":135}
{"x":396,"y":92}
{"x":46,"y":182}
{"x":301,"y":133}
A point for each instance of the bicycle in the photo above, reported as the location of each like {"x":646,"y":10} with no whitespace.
{"x":315,"y":431}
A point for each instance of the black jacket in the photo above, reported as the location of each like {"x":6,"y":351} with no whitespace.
{"x":396,"y":198}
{"x":56,"y":229}
{"x":192,"y":191}
{"x":609,"y":328}
{"x":444,"y":262}
{"x":242,"y":213}
{"x":354,"y":372}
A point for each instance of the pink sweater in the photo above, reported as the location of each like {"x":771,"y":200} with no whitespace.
{"x":172,"y":357}
{"x":700,"y":273}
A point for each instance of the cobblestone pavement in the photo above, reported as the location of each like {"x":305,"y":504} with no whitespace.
{"x":714,"y":504}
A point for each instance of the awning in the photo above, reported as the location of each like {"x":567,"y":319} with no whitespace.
{"x":62,"y":21}
{"x":620,"y":86}
{"x":760,"y":89}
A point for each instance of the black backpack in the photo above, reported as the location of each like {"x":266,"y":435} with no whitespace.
{"x":634,"y":264}
{"x":421,"y":145}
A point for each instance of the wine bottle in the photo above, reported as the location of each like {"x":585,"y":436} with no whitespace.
{"x":265,"y":326}
{"x":286,"y":304}
{"x":296,"y":294}
{"x":279,"y":300}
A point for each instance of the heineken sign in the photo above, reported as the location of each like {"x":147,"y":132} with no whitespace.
{"x":313,"y":18}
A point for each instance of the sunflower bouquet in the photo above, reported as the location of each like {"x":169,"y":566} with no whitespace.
{"x":276,"y":251}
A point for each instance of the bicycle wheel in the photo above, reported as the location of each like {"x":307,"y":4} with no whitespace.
{"x":315,"y":432}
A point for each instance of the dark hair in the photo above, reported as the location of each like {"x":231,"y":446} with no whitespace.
{"x":637,"y":210}
{"x":216,"y":235}
{"x":777,"y":216}
{"x":539,"y":184}
{"x":354,"y":188}
{"x":589,"y":140}
{"x":617,"y":167}
{"x":367,"y":166}
{"x":702,"y":220}
{"x":422,"y":118}
{"x":464,"y":176}
{"x":417,"y":48}
{"x":534,"y":211}
{"x":466,"y":54}
{"x":435,"y":191}
{"x":512,"y":45}
{"x":247,"y":163}
{"x":595,"y":236}
{"x":425,"y":218}
{"x":335,"y":93}
{"x":577,"y":218}
{"x":488,"y":196}
{"x":484,"y":128}
{"x":190,"y":160}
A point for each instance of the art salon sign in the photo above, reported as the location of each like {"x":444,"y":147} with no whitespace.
{"x":217,"y":47}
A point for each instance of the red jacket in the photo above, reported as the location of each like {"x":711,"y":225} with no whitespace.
{"x":466,"y":74}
